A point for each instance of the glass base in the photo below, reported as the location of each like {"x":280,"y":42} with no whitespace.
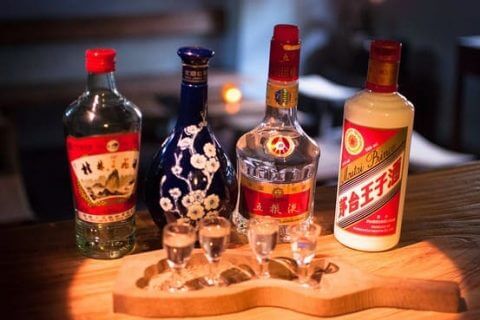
{"x":169,"y":286}
{"x":106,"y":240}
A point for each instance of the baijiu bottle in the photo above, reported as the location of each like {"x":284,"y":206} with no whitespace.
{"x":103,"y":142}
{"x":277,"y":160}
{"x":191,"y":177}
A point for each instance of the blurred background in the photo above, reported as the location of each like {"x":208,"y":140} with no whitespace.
{"x":42,"y":46}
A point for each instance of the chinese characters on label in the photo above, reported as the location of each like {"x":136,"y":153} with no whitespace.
{"x":371,"y":178}
{"x":104,"y":172}
{"x":288,"y":203}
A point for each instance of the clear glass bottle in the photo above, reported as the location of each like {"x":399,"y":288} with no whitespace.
{"x":277,"y":160}
{"x":102,"y":131}
{"x":373,"y":169}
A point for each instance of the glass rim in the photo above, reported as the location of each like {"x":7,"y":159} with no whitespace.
{"x":263,"y":219}
{"x":311,"y":228}
{"x":223,"y":222}
{"x":168,"y":228}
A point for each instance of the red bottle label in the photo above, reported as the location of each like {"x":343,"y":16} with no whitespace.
{"x":104,"y":175}
{"x":370,"y":179}
{"x":286,"y":202}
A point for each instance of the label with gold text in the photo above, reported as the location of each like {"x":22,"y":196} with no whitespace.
{"x":287,"y":202}
{"x":370,"y":180}
{"x":104,"y":174}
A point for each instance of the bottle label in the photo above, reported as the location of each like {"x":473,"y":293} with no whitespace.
{"x":370,"y":179}
{"x":104,"y":174}
{"x":196,"y":74}
{"x":287,"y":202}
{"x":282,"y":96}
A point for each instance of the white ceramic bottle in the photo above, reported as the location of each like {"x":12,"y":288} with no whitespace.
{"x":375,"y":150}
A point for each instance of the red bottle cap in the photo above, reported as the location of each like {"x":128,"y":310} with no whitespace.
{"x":100,"y":60}
{"x":383,"y":66}
{"x":284,"y":53}
{"x":386,"y":50}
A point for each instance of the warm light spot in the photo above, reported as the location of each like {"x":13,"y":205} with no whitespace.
{"x":231,"y":93}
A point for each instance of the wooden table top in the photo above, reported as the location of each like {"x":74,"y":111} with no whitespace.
{"x":44,"y":277}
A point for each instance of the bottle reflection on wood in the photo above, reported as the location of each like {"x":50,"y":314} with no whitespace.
{"x":191,"y":176}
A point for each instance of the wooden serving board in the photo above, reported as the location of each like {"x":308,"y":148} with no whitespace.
{"x":340,"y":288}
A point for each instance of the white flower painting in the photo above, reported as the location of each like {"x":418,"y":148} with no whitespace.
{"x":198,"y":161}
{"x":195,"y":212}
{"x":197,"y":203}
{"x":166,"y":204}
{"x":209,"y":150}
{"x":211,"y":202}
{"x":175,"y":193}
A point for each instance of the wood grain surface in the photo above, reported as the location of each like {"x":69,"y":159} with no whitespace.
{"x":43,"y":276}
{"x":345,"y":289}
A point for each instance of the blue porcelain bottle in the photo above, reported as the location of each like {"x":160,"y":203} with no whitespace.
{"x":191,"y":176}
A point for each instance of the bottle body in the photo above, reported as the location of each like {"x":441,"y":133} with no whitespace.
{"x":373,"y":170}
{"x":271,"y":184}
{"x":102,"y":133}
{"x":191,"y":177}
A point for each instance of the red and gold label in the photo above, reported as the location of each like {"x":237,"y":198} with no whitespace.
{"x":282,"y":96}
{"x":287,"y":202}
{"x":370,"y":181}
{"x":104,"y":175}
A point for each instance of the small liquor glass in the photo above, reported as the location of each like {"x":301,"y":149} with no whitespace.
{"x":214,"y":236}
{"x":303,"y":243}
{"x":178,"y":242}
{"x":262,"y":237}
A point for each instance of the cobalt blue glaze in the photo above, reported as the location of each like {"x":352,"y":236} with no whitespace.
{"x":191,"y":177}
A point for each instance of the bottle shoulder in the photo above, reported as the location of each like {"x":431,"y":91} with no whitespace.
{"x":379,"y":101}
{"x":259,"y":143}
{"x":101,"y":114}
{"x":379,"y":109}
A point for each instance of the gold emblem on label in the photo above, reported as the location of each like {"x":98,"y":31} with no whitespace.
{"x":113,"y":145}
{"x":280,"y":146}
{"x":353,"y":141}
{"x":277,"y":193}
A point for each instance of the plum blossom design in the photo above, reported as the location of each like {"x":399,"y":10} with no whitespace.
{"x":196,"y":202}
{"x":166,"y":204}
{"x":195,"y":212}
{"x":175,"y":193}
{"x":209,"y":150}
{"x":188,"y":200}
{"x":193,"y":129}
{"x":198,"y":161}
{"x":211,"y":202}
{"x":177,"y":170}
{"x":212,"y":165}
{"x":198,"y":195}
{"x":185,"y":143}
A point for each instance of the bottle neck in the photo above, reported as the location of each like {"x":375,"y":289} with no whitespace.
{"x":193,"y":104}
{"x":281,"y":101}
{"x":382,"y":76}
{"x":101,"y":82}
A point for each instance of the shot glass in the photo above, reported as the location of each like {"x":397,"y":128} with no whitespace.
{"x":214,"y":236}
{"x":303,"y":243}
{"x":178,"y":242}
{"x":262,"y":237}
